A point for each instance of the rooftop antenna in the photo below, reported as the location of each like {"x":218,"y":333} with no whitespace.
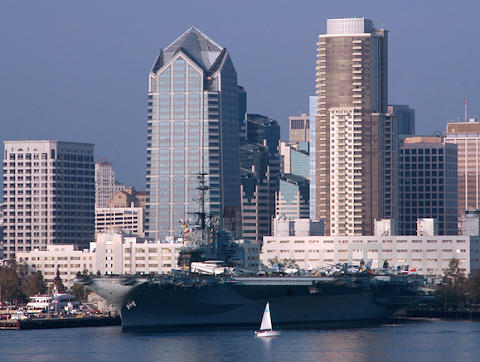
{"x":465,"y":103}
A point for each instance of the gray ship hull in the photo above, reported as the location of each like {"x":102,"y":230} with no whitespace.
{"x":189,"y":303}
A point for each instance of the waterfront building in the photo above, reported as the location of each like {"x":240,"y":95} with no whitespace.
{"x":49,"y":195}
{"x":64,"y":258}
{"x":105,"y":183}
{"x":355,"y":144}
{"x":117,"y":253}
{"x":405,"y":119}
{"x":428,"y":184}
{"x":299,"y":128}
{"x":431,"y":254}
{"x":466,"y":135}
{"x":193,"y":128}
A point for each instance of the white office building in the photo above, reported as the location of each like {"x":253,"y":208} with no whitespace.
{"x":431,"y":254}
{"x":63,"y":258}
{"x":49,"y":195}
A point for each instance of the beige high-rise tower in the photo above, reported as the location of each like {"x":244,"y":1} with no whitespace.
{"x":355,"y":137}
{"x":466,"y":135}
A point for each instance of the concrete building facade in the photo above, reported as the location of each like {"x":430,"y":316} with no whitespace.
{"x":299,"y":128}
{"x":353,"y":141}
{"x":129,"y":220}
{"x":431,"y":254}
{"x":312,"y":106}
{"x":49,"y":195}
{"x":466,"y":135}
{"x":64,"y":258}
{"x":117,"y":253}
{"x":428,"y":184}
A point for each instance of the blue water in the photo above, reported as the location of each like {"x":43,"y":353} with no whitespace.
{"x":426,"y":340}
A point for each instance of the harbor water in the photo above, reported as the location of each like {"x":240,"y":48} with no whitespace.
{"x":401,"y":340}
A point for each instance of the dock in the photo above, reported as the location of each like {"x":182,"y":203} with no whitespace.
{"x":444,"y":314}
{"x":48,"y":323}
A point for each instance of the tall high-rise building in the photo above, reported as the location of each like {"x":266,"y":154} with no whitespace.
{"x":428,"y":185}
{"x":49,"y":195}
{"x":466,"y":135}
{"x":193,"y":127}
{"x":312,"y":107}
{"x":105,"y":183}
{"x":354,"y":185}
{"x":299,"y":128}
{"x":260,"y":166}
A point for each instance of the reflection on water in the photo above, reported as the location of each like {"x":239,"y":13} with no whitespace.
{"x":428,"y":340}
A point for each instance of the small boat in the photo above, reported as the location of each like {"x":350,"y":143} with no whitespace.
{"x":266,"y":329}
{"x":39,"y":304}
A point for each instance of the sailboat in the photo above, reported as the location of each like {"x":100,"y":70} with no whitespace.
{"x":266,"y":329}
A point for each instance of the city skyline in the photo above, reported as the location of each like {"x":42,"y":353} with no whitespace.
{"x":82,"y":66}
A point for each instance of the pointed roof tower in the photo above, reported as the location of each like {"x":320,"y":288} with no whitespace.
{"x":203,"y":50}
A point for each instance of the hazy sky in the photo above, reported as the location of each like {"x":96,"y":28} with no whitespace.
{"x":78,"y":70}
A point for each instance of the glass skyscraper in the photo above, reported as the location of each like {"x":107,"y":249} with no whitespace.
{"x":193,"y":127}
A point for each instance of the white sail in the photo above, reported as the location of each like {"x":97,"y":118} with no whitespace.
{"x":266,"y":320}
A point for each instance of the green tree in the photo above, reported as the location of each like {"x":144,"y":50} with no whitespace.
{"x":454,"y":287}
{"x":11,"y":283}
{"x":57,"y":282}
{"x":289,"y":263}
{"x":274,"y":260}
{"x":80,"y":292}
{"x":34,"y":284}
{"x":474,"y":287}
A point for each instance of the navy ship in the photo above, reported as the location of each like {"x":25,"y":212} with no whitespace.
{"x":186,"y":301}
{"x":208,"y":292}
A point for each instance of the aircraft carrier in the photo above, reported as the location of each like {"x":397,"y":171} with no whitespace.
{"x":206,"y":293}
{"x":186,"y":302}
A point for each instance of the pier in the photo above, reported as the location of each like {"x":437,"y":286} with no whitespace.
{"x":48,"y":323}
{"x":444,"y":314}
